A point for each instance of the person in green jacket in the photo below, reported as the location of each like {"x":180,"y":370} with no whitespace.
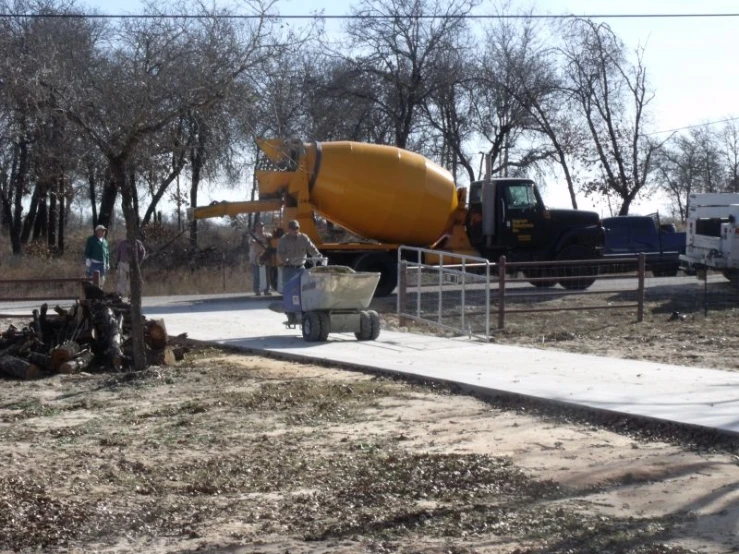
{"x":97,"y":254}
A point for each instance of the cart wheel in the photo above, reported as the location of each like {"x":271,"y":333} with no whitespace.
{"x":369,"y":325}
{"x":316,"y":326}
{"x":325,"y":325}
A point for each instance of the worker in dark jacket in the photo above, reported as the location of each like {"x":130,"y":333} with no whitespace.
{"x":97,"y":253}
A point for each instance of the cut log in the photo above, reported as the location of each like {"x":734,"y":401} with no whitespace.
{"x":80,"y":363}
{"x":111,"y":335}
{"x":164,"y":356}
{"x":16,"y":367}
{"x":37,"y":325}
{"x":63,"y":353}
{"x":41,"y":360}
{"x":156,"y":334}
{"x":21,"y":347}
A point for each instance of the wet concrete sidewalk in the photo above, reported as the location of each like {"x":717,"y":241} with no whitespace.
{"x":703,"y":397}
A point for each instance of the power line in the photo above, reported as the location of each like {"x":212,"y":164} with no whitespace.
{"x":369,"y":16}
{"x":696,"y":126}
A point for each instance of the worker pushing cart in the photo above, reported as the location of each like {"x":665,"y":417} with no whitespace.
{"x":328,"y":299}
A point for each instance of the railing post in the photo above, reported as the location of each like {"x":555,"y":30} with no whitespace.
{"x":440,"y":306}
{"x":223,"y":270}
{"x":419,"y":260}
{"x":501,"y":292}
{"x":402,"y":291}
{"x":640,"y":288}
{"x":463,"y":299}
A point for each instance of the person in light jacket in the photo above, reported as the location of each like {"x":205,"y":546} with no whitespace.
{"x":123,"y":256}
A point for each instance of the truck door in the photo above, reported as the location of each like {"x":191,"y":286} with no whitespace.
{"x":522,"y":215}
{"x":643,"y":236}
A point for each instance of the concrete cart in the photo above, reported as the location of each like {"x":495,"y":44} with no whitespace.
{"x":332,"y":299}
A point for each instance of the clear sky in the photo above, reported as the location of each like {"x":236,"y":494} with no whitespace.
{"x":691,"y":62}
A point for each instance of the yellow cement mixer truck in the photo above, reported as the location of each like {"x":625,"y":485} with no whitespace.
{"x":389,"y":197}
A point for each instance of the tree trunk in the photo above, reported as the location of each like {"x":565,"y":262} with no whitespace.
{"x":107,"y":202}
{"x":52,"y":221}
{"x":42,"y":217}
{"x":30,"y":220}
{"x":118,"y":168}
{"x":157,"y":196}
{"x":197,"y":159}
{"x":93,"y":193}
{"x":19,"y":185}
{"x":62,"y":217}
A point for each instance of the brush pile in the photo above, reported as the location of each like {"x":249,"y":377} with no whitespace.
{"x":93,"y":334}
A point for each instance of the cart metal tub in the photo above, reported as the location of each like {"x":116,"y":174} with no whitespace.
{"x":330,"y":288}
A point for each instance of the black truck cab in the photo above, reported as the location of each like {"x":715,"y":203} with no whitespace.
{"x":508,"y":217}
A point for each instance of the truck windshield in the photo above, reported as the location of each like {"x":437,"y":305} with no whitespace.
{"x":520,"y":196}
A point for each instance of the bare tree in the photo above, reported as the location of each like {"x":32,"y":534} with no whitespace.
{"x":147,"y":75}
{"x":400,"y":45}
{"x":612,"y":96}
{"x":730,"y":151}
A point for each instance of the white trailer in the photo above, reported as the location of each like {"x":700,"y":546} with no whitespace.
{"x":712,"y":238}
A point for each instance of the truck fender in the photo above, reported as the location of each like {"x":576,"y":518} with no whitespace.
{"x":592,"y":236}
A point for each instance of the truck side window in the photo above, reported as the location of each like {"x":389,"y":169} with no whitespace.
{"x":520,"y":196}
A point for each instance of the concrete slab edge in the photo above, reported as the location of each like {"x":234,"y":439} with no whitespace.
{"x":645,"y":427}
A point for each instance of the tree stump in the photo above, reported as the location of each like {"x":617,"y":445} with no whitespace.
{"x":156,"y":334}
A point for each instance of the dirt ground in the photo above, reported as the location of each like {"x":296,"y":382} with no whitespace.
{"x":233,"y":453}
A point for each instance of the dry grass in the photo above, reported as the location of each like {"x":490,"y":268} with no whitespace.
{"x":219,"y":266}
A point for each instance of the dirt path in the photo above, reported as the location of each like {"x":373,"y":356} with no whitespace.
{"x":232,"y":454}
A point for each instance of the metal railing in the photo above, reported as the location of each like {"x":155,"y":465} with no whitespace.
{"x":36,"y":283}
{"x":463,"y":296}
{"x":468,"y":276}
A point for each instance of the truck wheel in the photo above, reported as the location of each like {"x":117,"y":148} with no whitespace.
{"x":665,"y":271}
{"x":732,"y":275}
{"x":587,"y":272}
{"x":369,"y":325}
{"x":384,"y":264}
{"x":316,"y":326}
{"x":537,"y":273}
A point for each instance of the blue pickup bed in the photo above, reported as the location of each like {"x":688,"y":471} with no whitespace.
{"x":627,"y":236}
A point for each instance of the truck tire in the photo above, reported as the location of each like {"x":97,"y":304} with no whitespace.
{"x":537,"y":273}
{"x":589,"y":273}
{"x":382,"y":263}
{"x":665,"y":270}
{"x":369,"y":325}
{"x":316,"y":326}
{"x":732,"y":275}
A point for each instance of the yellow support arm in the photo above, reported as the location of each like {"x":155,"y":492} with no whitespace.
{"x":220,"y":209}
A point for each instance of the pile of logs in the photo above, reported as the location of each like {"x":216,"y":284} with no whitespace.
{"x":91,"y":335}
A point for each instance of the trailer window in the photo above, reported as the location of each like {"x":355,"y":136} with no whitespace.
{"x":520,"y":196}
